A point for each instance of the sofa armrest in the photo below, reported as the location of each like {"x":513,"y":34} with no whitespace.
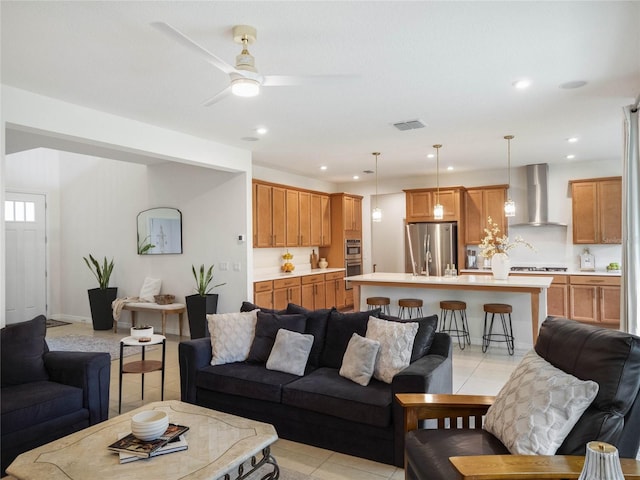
{"x":86,"y":370}
{"x":193,"y":355}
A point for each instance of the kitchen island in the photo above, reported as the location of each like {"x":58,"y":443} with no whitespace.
{"x":476,"y":290}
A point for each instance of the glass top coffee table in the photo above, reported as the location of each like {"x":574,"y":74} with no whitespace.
{"x":221,"y":446}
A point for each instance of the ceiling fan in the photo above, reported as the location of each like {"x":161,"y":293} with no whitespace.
{"x":244,"y":78}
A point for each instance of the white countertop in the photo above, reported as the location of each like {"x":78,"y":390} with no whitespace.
{"x":484,"y":279}
{"x":570,"y":271}
{"x":300,"y":273}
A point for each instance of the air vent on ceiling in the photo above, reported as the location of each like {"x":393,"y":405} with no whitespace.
{"x":409,"y":125}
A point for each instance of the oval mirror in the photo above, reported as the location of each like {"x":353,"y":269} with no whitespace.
{"x":159,"y":231}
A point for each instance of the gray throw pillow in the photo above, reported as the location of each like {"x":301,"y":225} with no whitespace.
{"x":359,"y":359}
{"x":290,"y":352}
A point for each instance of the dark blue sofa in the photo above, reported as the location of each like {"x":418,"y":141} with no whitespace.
{"x":47,"y":395}
{"x":320,"y":408}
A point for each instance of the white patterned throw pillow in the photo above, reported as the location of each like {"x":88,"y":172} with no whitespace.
{"x":538,"y":406}
{"x":231,"y":336}
{"x":396,"y":343}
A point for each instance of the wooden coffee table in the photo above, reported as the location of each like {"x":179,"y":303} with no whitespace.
{"x":220,"y":446}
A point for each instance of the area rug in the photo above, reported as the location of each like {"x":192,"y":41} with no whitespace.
{"x":55,"y":323}
{"x":88,"y":343}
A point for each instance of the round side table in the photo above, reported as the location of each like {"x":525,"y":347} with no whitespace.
{"x":142,"y":366}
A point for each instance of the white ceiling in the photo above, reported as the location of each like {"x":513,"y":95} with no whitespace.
{"x":449,"y":64}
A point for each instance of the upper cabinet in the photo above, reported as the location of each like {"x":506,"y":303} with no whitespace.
{"x":286,"y":216}
{"x":597,"y":210}
{"x":352,"y":214}
{"x":420,"y":203}
{"x":481,"y":203}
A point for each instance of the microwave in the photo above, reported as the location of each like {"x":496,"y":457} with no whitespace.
{"x":352,"y":248}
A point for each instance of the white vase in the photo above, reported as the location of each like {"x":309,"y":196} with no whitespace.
{"x":500,"y":266}
{"x":323,"y":263}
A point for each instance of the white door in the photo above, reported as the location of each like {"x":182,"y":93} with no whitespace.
{"x":26,"y":273}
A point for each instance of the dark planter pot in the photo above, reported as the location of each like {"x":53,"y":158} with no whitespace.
{"x":197,"y":310}
{"x":100,"y":303}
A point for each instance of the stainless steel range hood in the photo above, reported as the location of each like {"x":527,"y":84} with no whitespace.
{"x":538,"y":197}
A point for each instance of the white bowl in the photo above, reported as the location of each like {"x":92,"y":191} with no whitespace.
{"x":149,"y":425}
{"x":141,"y":332}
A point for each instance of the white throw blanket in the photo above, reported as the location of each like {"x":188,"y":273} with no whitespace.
{"x":118,"y":304}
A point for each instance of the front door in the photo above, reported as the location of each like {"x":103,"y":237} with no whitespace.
{"x":26,"y":273}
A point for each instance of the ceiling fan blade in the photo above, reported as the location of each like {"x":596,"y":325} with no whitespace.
{"x":294,"y":80}
{"x":219,"y":96}
{"x":193,"y":46}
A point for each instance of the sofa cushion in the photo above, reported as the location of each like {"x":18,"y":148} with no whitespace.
{"x":248,"y":307}
{"x":37,"y":402}
{"x":22,"y":346}
{"x":538,"y":406}
{"x":325,"y":391}
{"x":267,"y":326}
{"x":339,"y":330}
{"x":290,"y":352}
{"x":231,"y":336}
{"x":396,"y":343}
{"x":316,"y":325}
{"x":427,"y":327}
{"x":249,"y":380}
{"x":360,"y":359}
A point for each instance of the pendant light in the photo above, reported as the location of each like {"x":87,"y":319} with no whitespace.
{"x":438,"y":209}
{"x":376,"y":215}
{"x":509,"y":205}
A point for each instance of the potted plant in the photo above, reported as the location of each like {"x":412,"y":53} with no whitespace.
{"x":202,"y":303}
{"x":100,"y":298}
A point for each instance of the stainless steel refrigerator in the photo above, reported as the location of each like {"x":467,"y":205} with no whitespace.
{"x":429,"y":247}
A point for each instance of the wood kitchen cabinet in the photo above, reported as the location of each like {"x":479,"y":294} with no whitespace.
{"x":269,"y":216}
{"x":334,"y":290}
{"x":420,"y":203}
{"x":558,"y":296}
{"x":263,"y":293}
{"x":291,"y":217}
{"x":313,"y":291}
{"x":481,"y":203}
{"x":595,"y":299}
{"x":597,"y":210}
{"x":352,"y":214}
{"x":286,"y":291}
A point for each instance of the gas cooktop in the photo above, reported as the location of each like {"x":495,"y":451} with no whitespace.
{"x":538,"y":269}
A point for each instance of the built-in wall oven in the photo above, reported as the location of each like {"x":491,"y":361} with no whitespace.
{"x":352,"y":258}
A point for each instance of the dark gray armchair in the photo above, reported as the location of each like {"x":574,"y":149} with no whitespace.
{"x":47,"y":395}
{"x":609,"y":357}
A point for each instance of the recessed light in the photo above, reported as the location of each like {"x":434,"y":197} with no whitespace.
{"x":572,"y":139}
{"x":573,"y":84}
{"x":431,"y":155}
{"x":450,"y":168}
{"x":323,"y":167}
{"x":522,"y":84}
{"x":261,"y":130}
{"x":356,"y":177}
{"x":570,"y":157}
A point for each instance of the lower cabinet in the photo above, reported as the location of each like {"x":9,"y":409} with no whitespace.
{"x":595,"y":299}
{"x":313,"y":291}
{"x":334,"y":290}
{"x":286,"y":291}
{"x":558,"y":296}
{"x":263,"y":293}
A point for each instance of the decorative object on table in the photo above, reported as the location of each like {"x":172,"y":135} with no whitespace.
{"x":601,"y":463}
{"x":323,"y":263}
{"x":587,"y":261}
{"x":142,"y":331}
{"x":613,"y":267}
{"x":288,"y":266}
{"x":165,"y":299}
{"x":177,"y":444}
{"x":130,"y":444}
{"x":203,"y":302}
{"x":149,"y":425}
{"x":314,"y":259}
{"x":101,"y":298}
{"x":495,"y":247}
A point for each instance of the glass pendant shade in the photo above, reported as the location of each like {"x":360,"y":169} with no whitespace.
{"x":509,"y":208}
{"x":376,"y":215}
{"x":438,"y":211}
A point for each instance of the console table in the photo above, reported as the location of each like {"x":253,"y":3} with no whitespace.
{"x":164,"y":310}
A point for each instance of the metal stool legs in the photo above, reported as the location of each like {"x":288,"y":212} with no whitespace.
{"x":461,"y":332}
{"x":506,"y":336}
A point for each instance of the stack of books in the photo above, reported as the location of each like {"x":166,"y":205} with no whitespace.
{"x":131,"y":448}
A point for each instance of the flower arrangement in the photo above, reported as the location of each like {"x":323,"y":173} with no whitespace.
{"x":493,"y":242}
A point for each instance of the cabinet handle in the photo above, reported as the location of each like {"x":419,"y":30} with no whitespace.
{"x":596,"y":281}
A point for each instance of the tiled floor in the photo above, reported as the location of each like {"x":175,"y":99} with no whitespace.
{"x":473,"y":373}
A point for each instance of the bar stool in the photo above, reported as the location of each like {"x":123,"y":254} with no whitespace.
{"x":507,"y":330}
{"x":379,"y":302}
{"x":410,"y":306}
{"x":448,"y":308}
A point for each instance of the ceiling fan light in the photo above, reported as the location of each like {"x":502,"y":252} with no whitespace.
{"x":245,"y":87}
